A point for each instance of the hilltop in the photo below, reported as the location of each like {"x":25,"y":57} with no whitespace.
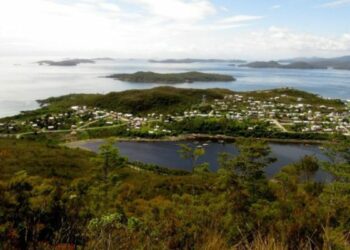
{"x":151,"y":77}
{"x":161,"y":99}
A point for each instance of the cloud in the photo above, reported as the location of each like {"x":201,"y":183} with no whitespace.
{"x":239,"y":19}
{"x":284,"y":41}
{"x":334,"y":4}
{"x":178,"y":10}
{"x":148,"y":28}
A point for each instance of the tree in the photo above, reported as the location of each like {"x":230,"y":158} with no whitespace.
{"x":192,"y":153}
{"x":308,"y":165}
{"x":110,"y":154}
{"x":336,"y":195}
{"x":246,"y":170}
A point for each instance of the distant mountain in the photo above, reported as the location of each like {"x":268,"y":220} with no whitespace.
{"x":69,"y":62}
{"x":191,"y":60}
{"x":274,"y":64}
{"x":341,"y":63}
{"x":342,"y":59}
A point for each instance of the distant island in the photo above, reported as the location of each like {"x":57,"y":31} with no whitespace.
{"x":274,"y":64}
{"x":187,"y":77}
{"x":69,"y":62}
{"x":191,"y":60}
{"x":340,"y":63}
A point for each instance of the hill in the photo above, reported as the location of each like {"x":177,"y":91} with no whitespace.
{"x":151,"y":77}
{"x":165,"y":99}
{"x":99,"y":203}
{"x":161,"y":99}
{"x":341,"y":63}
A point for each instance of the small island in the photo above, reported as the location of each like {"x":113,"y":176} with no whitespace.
{"x":69,"y":62}
{"x":172,"y":78}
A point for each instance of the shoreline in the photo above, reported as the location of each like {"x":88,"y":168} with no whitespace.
{"x":189,"y":137}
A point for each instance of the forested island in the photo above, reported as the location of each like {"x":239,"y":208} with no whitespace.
{"x":172,"y":78}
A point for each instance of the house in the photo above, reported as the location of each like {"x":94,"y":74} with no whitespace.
{"x":75,"y":108}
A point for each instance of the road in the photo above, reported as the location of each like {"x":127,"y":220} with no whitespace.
{"x":279,"y":125}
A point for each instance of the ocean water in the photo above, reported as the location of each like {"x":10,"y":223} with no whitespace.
{"x":22,"y":81}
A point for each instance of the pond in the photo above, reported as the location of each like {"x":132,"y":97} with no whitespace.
{"x":166,"y":154}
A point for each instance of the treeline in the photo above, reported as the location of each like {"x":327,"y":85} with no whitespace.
{"x":209,"y":126}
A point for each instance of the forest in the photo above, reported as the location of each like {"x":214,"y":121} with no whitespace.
{"x":52,"y":197}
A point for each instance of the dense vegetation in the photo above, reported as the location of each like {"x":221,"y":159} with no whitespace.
{"x":102,"y":202}
{"x":151,"y":77}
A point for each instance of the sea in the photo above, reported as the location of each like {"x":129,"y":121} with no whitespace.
{"x":23,"y":81}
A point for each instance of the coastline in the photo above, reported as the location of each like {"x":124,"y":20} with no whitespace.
{"x":188,"y":137}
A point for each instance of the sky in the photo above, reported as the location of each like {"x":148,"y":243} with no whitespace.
{"x":235,"y":29}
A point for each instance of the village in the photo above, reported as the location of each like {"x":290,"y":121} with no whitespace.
{"x":279,"y":111}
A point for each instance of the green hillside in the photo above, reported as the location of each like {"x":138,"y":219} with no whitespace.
{"x":161,"y":99}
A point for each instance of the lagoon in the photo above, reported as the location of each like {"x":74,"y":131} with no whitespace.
{"x":165,"y":154}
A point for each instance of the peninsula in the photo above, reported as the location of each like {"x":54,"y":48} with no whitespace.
{"x":167,"y":111}
{"x":172,"y":78}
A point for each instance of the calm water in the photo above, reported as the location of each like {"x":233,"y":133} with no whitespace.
{"x":166,"y":154}
{"x":22,"y":81}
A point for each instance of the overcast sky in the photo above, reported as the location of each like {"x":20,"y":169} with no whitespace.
{"x":248,"y":29}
